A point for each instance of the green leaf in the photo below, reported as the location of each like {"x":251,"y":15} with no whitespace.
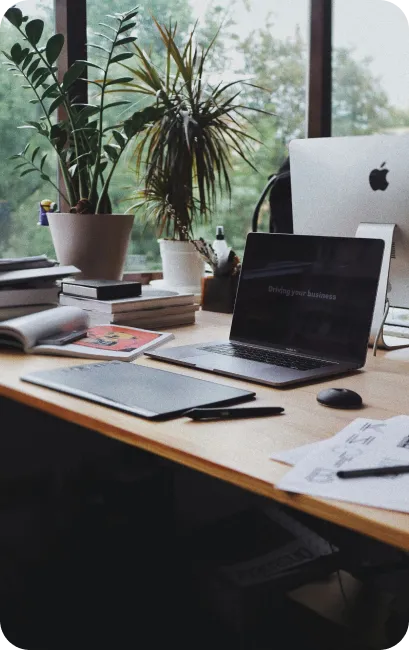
{"x":123,"y":103}
{"x":42,"y":78}
{"x":7,"y":56}
{"x":131,"y":14}
{"x":34,"y":101}
{"x":58,"y":136}
{"x":21,"y":165}
{"x":103,"y":165}
{"x":141,"y":119}
{"x":54,"y":47}
{"x":45,"y":177}
{"x":125,"y":41}
{"x":43,"y":159}
{"x":32,"y":125}
{"x":34,"y":31}
{"x":126,"y":27}
{"x":112,"y":152}
{"x":34,"y":154}
{"x":49,"y":91}
{"x":98,"y":47}
{"x":55,"y":104}
{"x":121,"y":80}
{"x":91,"y":65}
{"x":24,"y":53}
{"x":38,"y":73}
{"x":33,"y":67}
{"x":27,"y":171}
{"x":108,"y":38}
{"x":28,"y":60}
{"x":15,"y":53}
{"x":122,"y":57}
{"x":72,"y":74}
{"x":14,"y":16}
{"x":119,"y":138}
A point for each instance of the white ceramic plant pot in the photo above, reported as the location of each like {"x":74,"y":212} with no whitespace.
{"x":182,"y":266}
{"x":97,"y":244}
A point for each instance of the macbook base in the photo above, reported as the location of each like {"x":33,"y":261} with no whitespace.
{"x":303,"y":311}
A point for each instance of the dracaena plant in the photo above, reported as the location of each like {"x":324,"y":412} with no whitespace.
{"x":185,"y":155}
{"x":88,"y":148}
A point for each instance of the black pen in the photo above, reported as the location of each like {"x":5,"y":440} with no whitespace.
{"x":392,"y":470}
{"x":232,"y":413}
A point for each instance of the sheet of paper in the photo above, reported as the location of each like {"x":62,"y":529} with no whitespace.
{"x":363,"y":446}
{"x":293,"y":456}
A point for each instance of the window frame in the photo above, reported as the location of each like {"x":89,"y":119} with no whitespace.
{"x":71,"y":20}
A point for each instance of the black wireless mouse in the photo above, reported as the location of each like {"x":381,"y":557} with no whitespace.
{"x":340,"y":398}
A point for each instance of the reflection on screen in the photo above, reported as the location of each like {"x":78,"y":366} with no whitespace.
{"x":310,"y":294}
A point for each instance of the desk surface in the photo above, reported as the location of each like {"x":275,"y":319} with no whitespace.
{"x":238,"y":452}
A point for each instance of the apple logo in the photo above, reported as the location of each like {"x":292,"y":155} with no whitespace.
{"x":377,"y":178}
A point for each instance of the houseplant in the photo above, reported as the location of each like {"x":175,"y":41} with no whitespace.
{"x":185,"y":155}
{"x":87,"y":145}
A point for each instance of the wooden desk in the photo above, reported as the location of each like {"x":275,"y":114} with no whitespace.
{"x":237,"y":452}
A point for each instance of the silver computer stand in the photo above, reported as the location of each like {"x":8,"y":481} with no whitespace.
{"x":377,"y":340}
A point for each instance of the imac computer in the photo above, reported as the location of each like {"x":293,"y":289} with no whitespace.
{"x":358,"y":186}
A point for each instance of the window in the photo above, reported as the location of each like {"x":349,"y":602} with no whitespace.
{"x":266,"y":43}
{"x":20,"y":196}
{"x":371,"y":74}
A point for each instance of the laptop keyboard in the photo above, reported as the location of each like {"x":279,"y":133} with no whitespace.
{"x":266,"y":356}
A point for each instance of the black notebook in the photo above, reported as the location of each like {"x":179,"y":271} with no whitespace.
{"x":141,"y":390}
{"x":102,"y":289}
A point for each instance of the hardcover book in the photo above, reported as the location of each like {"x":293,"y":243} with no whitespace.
{"x":47,"y":274}
{"x":102,"y":289}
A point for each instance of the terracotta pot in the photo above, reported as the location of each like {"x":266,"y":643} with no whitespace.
{"x":95,"y":243}
{"x":183,"y":267}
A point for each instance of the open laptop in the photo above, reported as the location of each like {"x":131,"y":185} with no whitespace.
{"x":303,"y":311}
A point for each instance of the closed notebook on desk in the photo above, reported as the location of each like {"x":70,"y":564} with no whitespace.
{"x":141,"y":390}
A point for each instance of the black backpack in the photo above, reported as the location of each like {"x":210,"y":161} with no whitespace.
{"x":281,"y":212}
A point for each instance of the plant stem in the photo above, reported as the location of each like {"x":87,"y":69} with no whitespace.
{"x":104,"y":191}
{"x":63,"y":167}
{"x":66,"y":106}
{"x":94,"y":183}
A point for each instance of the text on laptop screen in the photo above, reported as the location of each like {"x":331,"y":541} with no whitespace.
{"x":308,"y":294}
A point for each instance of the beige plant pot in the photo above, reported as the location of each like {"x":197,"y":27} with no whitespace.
{"x":97,"y":244}
{"x":182,"y":266}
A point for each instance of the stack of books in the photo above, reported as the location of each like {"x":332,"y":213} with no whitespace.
{"x":29,"y":285}
{"x":149,"y":309}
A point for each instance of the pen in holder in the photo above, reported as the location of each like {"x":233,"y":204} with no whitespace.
{"x":219,"y":290}
{"x":219,"y":293}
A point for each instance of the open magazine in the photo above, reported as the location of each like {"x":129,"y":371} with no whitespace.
{"x":50,"y":331}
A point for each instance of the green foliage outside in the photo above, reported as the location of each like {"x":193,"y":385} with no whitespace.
{"x":360,"y":106}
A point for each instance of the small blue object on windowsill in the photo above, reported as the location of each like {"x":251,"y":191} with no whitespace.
{"x":45,"y":206}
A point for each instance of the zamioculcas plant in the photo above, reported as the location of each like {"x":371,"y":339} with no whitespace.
{"x":87,"y":146}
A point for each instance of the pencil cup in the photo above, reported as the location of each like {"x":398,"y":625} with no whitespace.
{"x":219,"y":293}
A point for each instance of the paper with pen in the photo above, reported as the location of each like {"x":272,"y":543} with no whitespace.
{"x":363,"y":443}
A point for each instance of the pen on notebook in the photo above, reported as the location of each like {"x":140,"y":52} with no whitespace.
{"x":232,"y":413}
{"x":392,"y":470}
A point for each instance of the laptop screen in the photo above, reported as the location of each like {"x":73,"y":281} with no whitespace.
{"x":308,"y":294}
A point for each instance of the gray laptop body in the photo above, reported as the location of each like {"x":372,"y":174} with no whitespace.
{"x":303,"y":311}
